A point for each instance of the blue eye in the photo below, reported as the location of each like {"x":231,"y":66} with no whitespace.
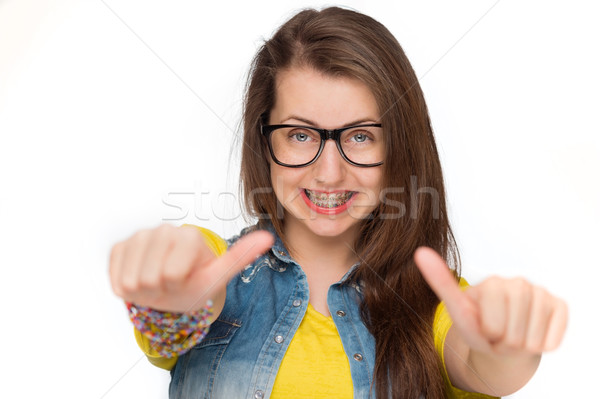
{"x":360,"y":137}
{"x":302,"y":137}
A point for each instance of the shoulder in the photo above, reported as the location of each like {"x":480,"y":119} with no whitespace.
{"x":246,"y":230}
{"x":218,"y":244}
{"x":212,"y":239}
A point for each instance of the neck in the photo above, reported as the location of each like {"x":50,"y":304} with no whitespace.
{"x":323,"y":255}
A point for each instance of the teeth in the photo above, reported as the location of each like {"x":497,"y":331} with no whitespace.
{"x":325,"y":200}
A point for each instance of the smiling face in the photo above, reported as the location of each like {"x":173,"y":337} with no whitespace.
{"x":330,"y":197}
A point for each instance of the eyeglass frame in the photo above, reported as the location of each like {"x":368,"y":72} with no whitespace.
{"x":325,"y":134}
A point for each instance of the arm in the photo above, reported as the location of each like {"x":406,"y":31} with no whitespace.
{"x":156,"y":355}
{"x":497,"y":375}
{"x":500,"y":328}
{"x":171,"y":272}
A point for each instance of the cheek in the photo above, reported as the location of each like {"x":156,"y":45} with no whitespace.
{"x":268,"y":154}
{"x":372,"y":183}
{"x":279,"y":181}
{"x":285,"y":182}
{"x":274,"y":180}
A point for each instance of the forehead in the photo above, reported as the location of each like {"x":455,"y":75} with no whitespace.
{"x":328,"y":101}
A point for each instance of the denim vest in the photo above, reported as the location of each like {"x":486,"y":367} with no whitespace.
{"x":240,"y":356}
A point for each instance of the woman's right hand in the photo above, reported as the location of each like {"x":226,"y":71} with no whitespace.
{"x":172,"y":268}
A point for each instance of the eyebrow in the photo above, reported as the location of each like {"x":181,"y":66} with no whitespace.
{"x":311,"y":123}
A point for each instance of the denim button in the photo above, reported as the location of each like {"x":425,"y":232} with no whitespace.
{"x":259,"y":394}
{"x":297,"y":302}
{"x":340,"y":313}
{"x":358,"y":357}
{"x":279,"y":339}
{"x":282,"y":253}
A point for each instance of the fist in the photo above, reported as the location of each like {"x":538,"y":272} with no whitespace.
{"x":173,"y":269}
{"x":501,"y":316}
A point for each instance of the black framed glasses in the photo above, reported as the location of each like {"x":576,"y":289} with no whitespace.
{"x":296,"y":146}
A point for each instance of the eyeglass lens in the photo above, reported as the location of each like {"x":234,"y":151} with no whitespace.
{"x":299,"y":145}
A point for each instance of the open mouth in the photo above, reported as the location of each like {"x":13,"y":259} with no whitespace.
{"x":329,"y":200}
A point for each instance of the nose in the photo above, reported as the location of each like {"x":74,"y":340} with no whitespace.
{"x":330,"y":167}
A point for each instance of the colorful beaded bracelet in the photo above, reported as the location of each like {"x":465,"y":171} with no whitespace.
{"x":171,"y":333}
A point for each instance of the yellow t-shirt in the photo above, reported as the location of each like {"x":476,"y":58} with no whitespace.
{"x":317,"y":341}
{"x":441,"y":325}
{"x":315,"y":363}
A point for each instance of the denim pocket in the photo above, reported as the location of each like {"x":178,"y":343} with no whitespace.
{"x":221,"y":331}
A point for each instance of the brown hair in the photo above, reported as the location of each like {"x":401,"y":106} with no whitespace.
{"x":398,"y":306}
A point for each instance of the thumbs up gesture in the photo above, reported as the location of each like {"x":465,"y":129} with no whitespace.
{"x":173,"y":269}
{"x":500,"y":327}
{"x":499,"y":315}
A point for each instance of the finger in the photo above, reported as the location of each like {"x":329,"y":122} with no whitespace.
{"x":132,"y":264}
{"x":441,"y":280}
{"x":189,"y":252}
{"x":557,"y":325}
{"x":154,"y":258}
{"x":541,"y":311}
{"x":519,"y":310}
{"x":114,"y":268}
{"x":493,"y":309}
{"x":242,"y":253}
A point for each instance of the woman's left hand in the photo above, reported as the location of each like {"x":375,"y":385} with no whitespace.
{"x":499,"y":315}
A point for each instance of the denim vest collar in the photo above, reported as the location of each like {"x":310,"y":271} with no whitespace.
{"x":281,"y":253}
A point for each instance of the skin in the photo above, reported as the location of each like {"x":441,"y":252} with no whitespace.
{"x":322,"y":243}
{"x":172,"y":268}
{"x":500,"y":327}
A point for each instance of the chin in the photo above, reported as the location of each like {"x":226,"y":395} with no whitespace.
{"x":324,"y":227}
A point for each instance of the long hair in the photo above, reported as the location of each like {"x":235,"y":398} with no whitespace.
{"x":398,"y":306}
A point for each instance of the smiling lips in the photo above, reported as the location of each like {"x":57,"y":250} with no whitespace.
{"x":327,"y":203}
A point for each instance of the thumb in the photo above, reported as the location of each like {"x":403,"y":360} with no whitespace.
{"x":241,"y":254}
{"x":462,"y":309}
{"x":438,"y":275}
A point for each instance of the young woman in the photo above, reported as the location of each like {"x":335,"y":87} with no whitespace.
{"x":335,"y":292}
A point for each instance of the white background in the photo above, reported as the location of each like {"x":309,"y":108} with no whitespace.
{"x":110,"y":108}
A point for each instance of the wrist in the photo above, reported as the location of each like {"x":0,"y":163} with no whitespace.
{"x":503,"y":374}
{"x":171,"y":333}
